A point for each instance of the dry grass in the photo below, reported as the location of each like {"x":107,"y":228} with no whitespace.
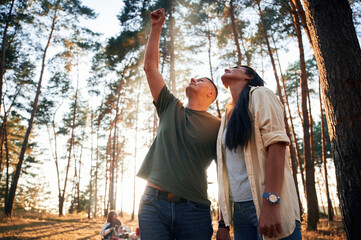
{"x":47,"y":226}
{"x":325,"y":230}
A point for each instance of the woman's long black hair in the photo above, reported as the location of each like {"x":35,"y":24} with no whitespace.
{"x":239,"y":129}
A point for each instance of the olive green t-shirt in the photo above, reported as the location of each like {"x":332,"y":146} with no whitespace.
{"x":182,"y":150}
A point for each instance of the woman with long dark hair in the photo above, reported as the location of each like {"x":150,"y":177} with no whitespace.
{"x":112,"y":227}
{"x":252,"y":160}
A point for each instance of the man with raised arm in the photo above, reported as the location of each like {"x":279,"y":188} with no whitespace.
{"x":175,"y":203}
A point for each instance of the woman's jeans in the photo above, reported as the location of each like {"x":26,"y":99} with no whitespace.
{"x":163,"y":220}
{"x":246,"y":223}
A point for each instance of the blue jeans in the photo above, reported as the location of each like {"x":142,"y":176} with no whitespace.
{"x":246,"y":223}
{"x":163,"y":220}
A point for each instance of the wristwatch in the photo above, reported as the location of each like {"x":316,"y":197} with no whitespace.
{"x":271,"y":197}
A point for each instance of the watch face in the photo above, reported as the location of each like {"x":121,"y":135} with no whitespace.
{"x":273,"y":198}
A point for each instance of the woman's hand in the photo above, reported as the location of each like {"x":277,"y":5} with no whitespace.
{"x":157,"y":18}
{"x":223,"y":234}
{"x":269,"y":220}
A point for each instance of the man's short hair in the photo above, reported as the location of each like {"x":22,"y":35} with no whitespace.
{"x":213,"y":85}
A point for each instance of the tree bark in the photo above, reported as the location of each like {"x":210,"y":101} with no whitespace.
{"x":324,"y":159}
{"x":338,"y":57}
{"x":301,"y":13}
{"x":14,"y":184}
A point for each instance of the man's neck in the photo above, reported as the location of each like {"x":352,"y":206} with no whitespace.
{"x":196,"y":105}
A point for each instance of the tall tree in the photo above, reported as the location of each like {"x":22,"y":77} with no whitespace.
{"x":311,"y":196}
{"x":235,"y":32}
{"x":338,"y":56}
{"x":52,"y":9}
{"x":10,"y":202}
{"x":3,"y":47}
{"x":14,"y":16}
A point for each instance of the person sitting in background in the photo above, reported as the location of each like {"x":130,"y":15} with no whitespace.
{"x":112,"y":227}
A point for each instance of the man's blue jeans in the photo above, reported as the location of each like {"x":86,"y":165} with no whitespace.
{"x":246,"y":223}
{"x":163,"y":220}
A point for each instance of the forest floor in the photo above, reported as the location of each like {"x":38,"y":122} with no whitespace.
{"x":46,"y":226}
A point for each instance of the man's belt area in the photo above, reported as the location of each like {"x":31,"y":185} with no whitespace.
{"x":170,"y":197}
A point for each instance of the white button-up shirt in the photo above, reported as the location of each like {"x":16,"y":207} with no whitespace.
{"x":267,"y":120}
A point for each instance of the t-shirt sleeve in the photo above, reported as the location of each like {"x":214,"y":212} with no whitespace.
{"x":165,"y":97}
{"x":269,"y":117}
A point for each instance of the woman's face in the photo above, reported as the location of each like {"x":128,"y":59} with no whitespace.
{"x":234,"y":74}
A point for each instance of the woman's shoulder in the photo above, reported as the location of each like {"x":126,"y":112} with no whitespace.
{"x":260,"y":90}
{"x":106,"y":224}
{"x":263,"y":96}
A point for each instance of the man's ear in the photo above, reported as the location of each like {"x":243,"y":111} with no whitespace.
{"x":211,"y":94}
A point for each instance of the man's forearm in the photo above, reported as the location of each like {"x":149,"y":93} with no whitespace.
{"x":152,"y":51}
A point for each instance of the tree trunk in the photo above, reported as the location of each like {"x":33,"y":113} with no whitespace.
{"x":14,"y":184}
{"x":324,"y":160}
{"x":97,"y":164}
{"x":1,"y":149}
{"x":311,"y":196}
{"x":107,"y":170}
{"x":122,"y":178}
{"x":338,"y":57}
{"x":108,"y":162}
{"x":112,"y":167}
{"x":71,"y":143}
{"x":7,"y":160}
{"x":55,"y":153}
{"x":296,"y":147}
{"x":91,"y":161}
{"x":3,"y":50}
{"x":209,"y":37}
{"x":136,"y":147}
{"x":301,"y":13}
{"x":320,"y":190}
{"x":171,"y":49}
{"x":79,"y":172}
{"x":235,"y":33}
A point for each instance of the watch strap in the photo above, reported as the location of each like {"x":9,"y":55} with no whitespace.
{"x":268,"y":195}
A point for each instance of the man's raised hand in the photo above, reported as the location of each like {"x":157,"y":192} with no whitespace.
{"x":157,"y":18}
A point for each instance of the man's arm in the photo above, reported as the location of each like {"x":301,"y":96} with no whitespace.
{"x":151,"y":60}
{"x":270,"y":221}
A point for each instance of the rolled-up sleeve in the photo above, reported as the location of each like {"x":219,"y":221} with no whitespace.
{"x":269,"y":117}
